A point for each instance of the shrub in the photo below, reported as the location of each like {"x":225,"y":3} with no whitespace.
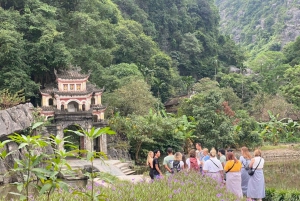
{"x":281,"y":195}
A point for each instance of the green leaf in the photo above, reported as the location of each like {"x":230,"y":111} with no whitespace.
{"x":64,"y":186}
{"x":23,"y":145}
{"x":45,"y":188}
{"x":20,"y":187}
{"x":36,"y":125}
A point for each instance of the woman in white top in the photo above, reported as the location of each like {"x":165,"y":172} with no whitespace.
{"x":256,"y":184}
{"x":213,"y":167}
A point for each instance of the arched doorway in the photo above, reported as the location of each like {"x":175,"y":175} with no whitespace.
{"x":75,"y":142}
{"x":72,"y":106}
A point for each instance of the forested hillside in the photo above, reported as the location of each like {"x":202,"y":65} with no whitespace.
{"x":187,"y":30}
{"x":260,"y":25}
{"x":151,"y":40}
{"x":145,"y":52}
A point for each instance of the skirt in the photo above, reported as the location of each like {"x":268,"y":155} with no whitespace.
{"x":245,"y":180}
{"x":234,"y":183}
{"x":215,"y":175}
{"x":256,"y":185}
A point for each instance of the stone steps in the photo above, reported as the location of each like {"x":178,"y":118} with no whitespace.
{"x":124,"y":167}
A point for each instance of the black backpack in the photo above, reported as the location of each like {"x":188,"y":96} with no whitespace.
{"x":176,"y":166}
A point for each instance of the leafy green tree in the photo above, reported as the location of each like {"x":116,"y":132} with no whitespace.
{"x":115,"y":76}
{"x":270,"y":66}
{"x":291,"y":51}
{"x":133,"y":97}
{"x":246,"y":131}
{"x":291,"y":88}
{"x":245,"y":87}
{"x":214,"y":117}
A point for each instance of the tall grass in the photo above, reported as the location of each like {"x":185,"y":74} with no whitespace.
{"x":282,"y":174}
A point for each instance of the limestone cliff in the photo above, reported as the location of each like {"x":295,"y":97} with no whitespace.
{"x":260,"y":25}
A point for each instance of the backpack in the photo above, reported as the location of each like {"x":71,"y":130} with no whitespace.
{"x":176,"y":166}
{"x":194,"y":164}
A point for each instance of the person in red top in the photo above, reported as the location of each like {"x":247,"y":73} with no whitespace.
{"x":192,"y":162}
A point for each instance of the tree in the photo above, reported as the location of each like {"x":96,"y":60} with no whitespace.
{"x":133,"y":97}
{"x":8,"y":100}
{"x":215,"y":125}
{"x":292,"y":87}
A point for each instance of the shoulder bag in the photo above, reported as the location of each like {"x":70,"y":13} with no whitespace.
{"x":251,"y":171}
{"x":214,"y":163}
{"x":230,"y":168}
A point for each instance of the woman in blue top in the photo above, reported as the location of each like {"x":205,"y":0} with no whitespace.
{"x":245,"y":160}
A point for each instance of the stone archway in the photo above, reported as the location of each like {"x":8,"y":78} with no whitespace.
{"x":84,"y":122}
{"x":76,"y":141}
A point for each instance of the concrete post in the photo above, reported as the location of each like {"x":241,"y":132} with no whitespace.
{"x":103,"y":143}
{"x":60,"y":135}
{"x":88,"y":143}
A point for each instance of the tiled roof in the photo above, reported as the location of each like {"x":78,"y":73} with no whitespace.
{"x":71,"y":73}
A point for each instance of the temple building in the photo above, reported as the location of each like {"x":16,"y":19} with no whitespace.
{"x":73,"y":100}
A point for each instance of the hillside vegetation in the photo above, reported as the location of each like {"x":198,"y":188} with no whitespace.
{"x":260,"y":25}
{"x":145,"y":52}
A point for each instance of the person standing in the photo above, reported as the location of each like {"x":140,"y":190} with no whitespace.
{"x":199,"y":153}
{"x":150,"y":163}
{"x":245,"y":159}
{"x":222,"y":159}
{"x":185,"y":165}
{"x":156,"y":169}
{"x":256,"y":184}
{"x":222,"y":156}
{"x":233,"y":175}
{"x":168,"y":161}
{"x":213,"y":167}
{"x":205,"y":157}
{"x":193,"y":162}
{"x":177,"y":164}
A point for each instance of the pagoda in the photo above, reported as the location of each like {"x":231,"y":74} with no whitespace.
{"x":73,"y":100}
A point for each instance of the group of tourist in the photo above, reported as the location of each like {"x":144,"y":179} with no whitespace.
{"x":223,"y":166}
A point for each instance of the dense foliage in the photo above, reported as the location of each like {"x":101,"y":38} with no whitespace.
{"x":145,"y":52}
{"x":260,"y":25}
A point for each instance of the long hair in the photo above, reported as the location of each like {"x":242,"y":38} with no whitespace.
{"x":149,"y":158}
{"x":246,"y":153}
{"x":230,"y":156}
{"x":184,"y":162}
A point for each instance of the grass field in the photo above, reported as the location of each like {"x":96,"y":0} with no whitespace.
{"x":282,"y":174}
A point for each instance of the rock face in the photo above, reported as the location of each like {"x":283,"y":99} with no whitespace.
{"x":15,"y":119}
{"x":268,"y":24}
{"x":117,"y":148}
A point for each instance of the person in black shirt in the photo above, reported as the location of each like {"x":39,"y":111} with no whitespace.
{"x":156,"y":170}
